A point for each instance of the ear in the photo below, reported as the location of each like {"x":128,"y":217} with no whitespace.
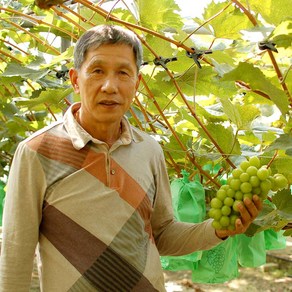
{"x":73,"y":74}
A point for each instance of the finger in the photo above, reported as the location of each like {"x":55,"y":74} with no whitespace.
{"x":245,"y":215}
{"x":251,"y":209}
{"x":239,"y":226}
{"x":258,"y":202}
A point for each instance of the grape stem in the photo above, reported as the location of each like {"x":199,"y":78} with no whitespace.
{"x":273,"y":158}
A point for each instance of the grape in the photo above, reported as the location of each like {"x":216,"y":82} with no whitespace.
{"x":244,"y":177}
{"x":216,"y":203}
{"x":257,"y":190}
{"x":265,"y":186}
{"x":224,"y":187}
{"x":215,"y":213}
{"x":252,"y":170}
{"x":263,"y":173}
{"x":216,"y":224}
{"x":237,"y":172}
{"x":231,"y":193}
{"x":255,"y":161}
{"x":238,"y":195}
{"x":221,"y":194}
{"x":280,"y":181}
{"x":254,"y":181}
{"x":235,"y":184}
{"x":244,"y":165}
{"x":225,"y":210}
{"x":251,"y":178}
{"x":224,"y":221}
{"x":228,"y":202}
{"x":246,"y":187}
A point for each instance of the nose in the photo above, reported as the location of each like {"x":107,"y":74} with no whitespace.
{"x":109,"y":85}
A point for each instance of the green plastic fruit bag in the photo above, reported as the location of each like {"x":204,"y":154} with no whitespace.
{"x":251,"y":250}
{"x":178,"y":263}
{"x":188,"y":199}
{"x":274,"y":239}
{"x":2,"y":197}
{"x":218,"y":264}
{"x":189,"y":205}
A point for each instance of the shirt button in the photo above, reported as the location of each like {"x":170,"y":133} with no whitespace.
{"x":113,"y":171}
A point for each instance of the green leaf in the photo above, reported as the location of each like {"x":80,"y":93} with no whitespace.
{"x":16,"y":70}
{"x":164,"y":11}
{"x":283,"y":201}
{"x":50,"y":96}
{"x":241,"y":116}
{"x":249,"y":138}
{"x":224,"y":137}
{"x":257,"y":81}
{"x":284,"y":142}
{"x":67,"y":55}
{"x":228,"y":24}
{"x":269,"y":218}
{"x":282,"y":35}
{"x":273,"y":11}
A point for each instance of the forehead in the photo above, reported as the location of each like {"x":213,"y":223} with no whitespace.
{"x":111,"y":53}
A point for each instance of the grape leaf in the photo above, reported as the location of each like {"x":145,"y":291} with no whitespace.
{"x":242,"y":117}
{"x":283,"y":201}
{"x":257,"y":81}
{"x":49,"y":96}
{"x":224,"y":137}
{"x":273,"y":11}
{"x":270,"y":217}
{"x":16,"y":70}
{"x":282,"y":35}
{"x":284,"y":142}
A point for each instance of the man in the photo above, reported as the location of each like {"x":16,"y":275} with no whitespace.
{"x":93,"y":192}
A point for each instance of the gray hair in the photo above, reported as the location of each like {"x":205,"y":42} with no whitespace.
{"x":106,"y":34}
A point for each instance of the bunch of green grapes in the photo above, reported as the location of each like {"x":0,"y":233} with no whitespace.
{"x":250,"y":178}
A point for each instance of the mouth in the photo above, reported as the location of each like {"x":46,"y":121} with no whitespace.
{"x":108,"y":103}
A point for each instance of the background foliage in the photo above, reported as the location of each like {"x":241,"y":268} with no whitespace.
{"x":215,"y":89}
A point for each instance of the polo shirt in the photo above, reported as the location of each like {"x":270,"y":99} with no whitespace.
{"x":98,"y":217}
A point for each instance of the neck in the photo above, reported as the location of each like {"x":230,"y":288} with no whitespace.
{"x":108,"y":133}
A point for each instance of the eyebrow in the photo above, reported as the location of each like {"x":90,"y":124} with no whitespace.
{"x":97,"y":62}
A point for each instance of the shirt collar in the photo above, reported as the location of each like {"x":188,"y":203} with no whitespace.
{"x":80,"y":137}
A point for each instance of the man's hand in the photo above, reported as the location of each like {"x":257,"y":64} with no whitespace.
{"x":248,"y":211}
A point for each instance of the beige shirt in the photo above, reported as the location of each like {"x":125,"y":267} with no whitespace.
{"x":100,"y":217}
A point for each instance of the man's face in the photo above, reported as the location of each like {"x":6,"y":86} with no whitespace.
{"x":107,"y":82}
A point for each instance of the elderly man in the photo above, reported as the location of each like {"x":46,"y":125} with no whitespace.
{"x":91,"y":192}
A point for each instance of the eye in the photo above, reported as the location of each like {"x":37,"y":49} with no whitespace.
{"x":123,"y":72}
{"x":97,"y":71}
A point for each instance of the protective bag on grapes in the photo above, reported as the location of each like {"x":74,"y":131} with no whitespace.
{"x":2,"y":197}
{"x":189,"y":205}
{"x":274,"y":239}
{"x":218,"y":264}
{"x":251,"y":251}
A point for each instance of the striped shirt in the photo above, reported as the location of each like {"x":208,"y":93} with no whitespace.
{"x":99,"y":216}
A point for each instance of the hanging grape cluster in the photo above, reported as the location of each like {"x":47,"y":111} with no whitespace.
{"x":250,"y":178}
